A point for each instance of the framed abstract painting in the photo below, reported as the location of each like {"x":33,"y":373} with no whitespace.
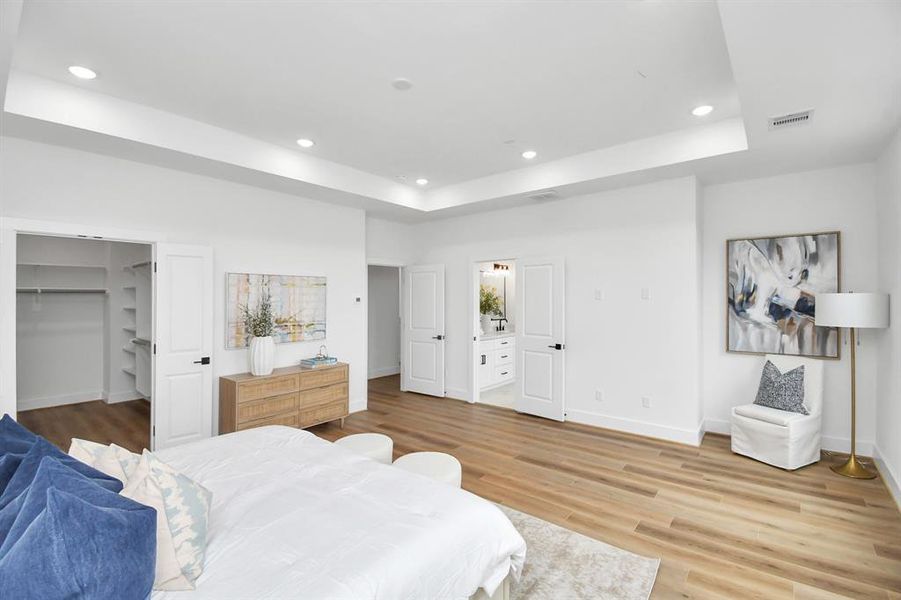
{"x":771,"y":289}
{"x":298,"y":304}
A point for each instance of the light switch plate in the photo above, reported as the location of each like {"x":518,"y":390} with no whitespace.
{"x":599,"y":395}
{"x":598,"y":294}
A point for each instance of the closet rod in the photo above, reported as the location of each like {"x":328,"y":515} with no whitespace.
{"x":60,"y":291}
{"x":140,"y":264}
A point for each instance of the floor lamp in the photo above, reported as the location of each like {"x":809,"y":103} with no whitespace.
{"x":854,"y":311}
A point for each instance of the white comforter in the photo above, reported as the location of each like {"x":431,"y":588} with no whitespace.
{"x":295,"y":516}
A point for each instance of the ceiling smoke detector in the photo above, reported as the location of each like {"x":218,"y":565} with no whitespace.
{"x":544,"y":196}
{"x":798,"y":118}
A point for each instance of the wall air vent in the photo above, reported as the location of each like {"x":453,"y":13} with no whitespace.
{"x":544,"y":196}
{"x":791,"y":120}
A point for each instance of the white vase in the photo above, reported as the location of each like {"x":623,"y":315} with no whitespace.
{"x":262,"y":355}
{"x":486,"y":324}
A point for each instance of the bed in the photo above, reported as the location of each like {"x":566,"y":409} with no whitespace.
{"x":295,"y":516}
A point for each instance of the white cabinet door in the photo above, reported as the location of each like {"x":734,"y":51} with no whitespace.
{"x":182,"y":398}
{"x":540,"y":347}
{"x":423,"y":346}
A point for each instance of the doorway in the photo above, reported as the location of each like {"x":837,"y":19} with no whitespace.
{"x":84,"y":312}
{"x":383,"y":316}
{"x":496,"y":368}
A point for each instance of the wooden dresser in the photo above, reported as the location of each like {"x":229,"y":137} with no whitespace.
{"x":289,"y":396}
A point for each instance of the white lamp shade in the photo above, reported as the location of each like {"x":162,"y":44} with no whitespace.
{"x":852,"y":310}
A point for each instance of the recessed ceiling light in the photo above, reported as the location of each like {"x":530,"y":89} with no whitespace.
{"x":402,"y":84}
{"x":82,"y":72}
{"x":305,"y":143}
{"x":529,"y":154}
{"x":422,"y":181}
{"x":702,"y":111}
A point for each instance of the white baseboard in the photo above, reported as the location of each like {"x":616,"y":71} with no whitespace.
{"x":457,"y":394}
{"x":356,"y":405}
{"x":33,"y":403}
{"x":672,"y":434}
{"x":116,"y":397}
{"x":834,"y":444}
{"x":384,"y":372}
{"x":891,"y":479}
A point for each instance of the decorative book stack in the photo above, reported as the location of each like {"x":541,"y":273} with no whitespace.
{"x":320,"y":360}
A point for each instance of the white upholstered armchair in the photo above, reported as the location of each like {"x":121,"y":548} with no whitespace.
{"x":777,"y":437}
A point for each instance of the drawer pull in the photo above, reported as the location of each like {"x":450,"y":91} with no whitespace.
{"x":504,"y":372}
{"x":505,"y":355}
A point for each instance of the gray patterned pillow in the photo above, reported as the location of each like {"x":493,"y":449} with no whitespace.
{"x":784,"y":391}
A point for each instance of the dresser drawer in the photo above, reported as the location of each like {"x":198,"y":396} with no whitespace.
{"x":267,"y":407}
{"x":322,"y":377}
{"x":289,"y":420}
{"x":328,"y":412}
{"x":325,"y":395}
{"x":272,"y":386}
{"x":503,"y":373}
{"x":504,"y":343}
{"x":503,"y":357}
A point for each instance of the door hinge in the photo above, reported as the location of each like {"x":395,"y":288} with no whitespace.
{"x":154,"y":348}
{"x":154,"y":431}
{"x":154,"y":266}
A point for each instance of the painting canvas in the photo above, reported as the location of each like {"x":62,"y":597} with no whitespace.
{"x":298,"y":303}
{"x":771,"y":289}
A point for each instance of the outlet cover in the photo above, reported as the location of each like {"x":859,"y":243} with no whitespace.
{"x":599,"y":395}
{"x":646,"y":402}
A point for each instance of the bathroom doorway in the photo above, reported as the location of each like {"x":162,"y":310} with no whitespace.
{"x":494,"y":337}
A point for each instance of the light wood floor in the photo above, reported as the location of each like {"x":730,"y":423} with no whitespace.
{"x":724,"y":526}
{"x":125,"y":423}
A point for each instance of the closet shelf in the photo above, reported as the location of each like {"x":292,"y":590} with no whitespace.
{"x":138,"y":265}
{"x":130,"y":328}
{"x":129,"y":370}
{"x":129,"y":308}
{"x":127,"y":349}
{"x":51,"y":290}
{"x":128,"y":287}
{"x":140,"y":341}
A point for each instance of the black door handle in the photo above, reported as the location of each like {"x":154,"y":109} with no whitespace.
{"x":557,"y":346}
{"x":438,"y":337}
{"x":203,"y":361}
{"x":484,"y":359}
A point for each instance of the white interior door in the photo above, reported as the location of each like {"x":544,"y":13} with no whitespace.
{"x":540,"y":344}
{"x":422,"y":365}
{"x":182,"y":399}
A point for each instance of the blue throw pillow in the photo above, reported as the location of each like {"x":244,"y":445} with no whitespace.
{"x":24,"y":475}
{"x":72,"y":538}
{"x":14,"y":438}
{"x":9,"y":462}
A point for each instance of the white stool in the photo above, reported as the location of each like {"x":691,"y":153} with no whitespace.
{"x":436,"y":465}
{"x":376,"y":446}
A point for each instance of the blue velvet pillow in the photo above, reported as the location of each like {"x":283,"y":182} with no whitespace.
{"x":72,"y":538}
{"x":14,"y":438}
{"x":24,"y":474}
{"x":9,"y":462}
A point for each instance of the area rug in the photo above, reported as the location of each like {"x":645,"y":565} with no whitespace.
{"x":562,"y":564}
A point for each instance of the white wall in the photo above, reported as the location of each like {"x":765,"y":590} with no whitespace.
{"x":618,"y":242}
{"x":249,"y":230}
{"x":833,"y":199}
{"x":384,"y":321}
{"x":888,"y":404}
{"x":390,"y":243}
{"x":60,"y":338}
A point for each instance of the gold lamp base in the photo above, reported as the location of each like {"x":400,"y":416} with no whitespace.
{"x":854,"y":468}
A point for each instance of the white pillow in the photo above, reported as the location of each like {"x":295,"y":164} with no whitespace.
{"x":111,"y":460}
{"x":182,"y":514}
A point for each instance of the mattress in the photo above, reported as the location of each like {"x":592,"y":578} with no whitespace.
{"x":295,"y":516}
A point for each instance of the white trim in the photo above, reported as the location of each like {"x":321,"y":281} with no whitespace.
{"x":827,"y":442}
{"x":118,"y":397}
{"x":385,"y":262}
{"x":672,"y":434}
{"x":891,"y":480}
{"x":356,"y":405}
{"x":384,"y":372}
{"x":33,"y":403}
{"x":457,"y":394}
{"x":77,"y":230}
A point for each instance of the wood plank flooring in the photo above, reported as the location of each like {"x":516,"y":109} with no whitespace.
{"x":724,"y":526}
{"x":125,"y":423}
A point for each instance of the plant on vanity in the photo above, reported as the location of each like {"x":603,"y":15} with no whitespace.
{"x":259,"y":325}
{"x":489,"y":305}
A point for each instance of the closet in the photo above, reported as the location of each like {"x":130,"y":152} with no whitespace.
{"x":83,"y":321}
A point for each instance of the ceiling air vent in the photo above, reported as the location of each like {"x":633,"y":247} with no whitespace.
{"x":544,"y":196}
{"x":791,"y":120}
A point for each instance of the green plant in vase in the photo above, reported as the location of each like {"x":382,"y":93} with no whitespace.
{"x":489,"y":306}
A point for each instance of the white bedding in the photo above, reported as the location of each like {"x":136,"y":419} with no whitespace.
{"x":295,"y":516}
